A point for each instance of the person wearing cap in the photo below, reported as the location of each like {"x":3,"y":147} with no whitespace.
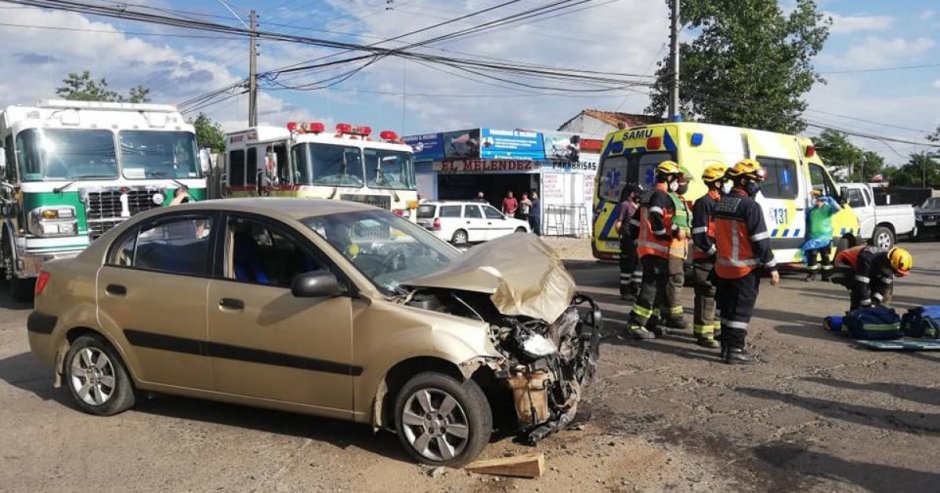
{"x":868,"y":272}
{"x":654,"y":232}
{"x":742,"y":250}
{"x":703,"y":255}
{"x":818,"y":246}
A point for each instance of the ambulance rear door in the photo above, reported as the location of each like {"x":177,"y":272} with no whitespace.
{"x":780,"y":195}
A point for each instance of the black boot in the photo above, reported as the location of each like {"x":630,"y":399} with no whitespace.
{"x":733,"y":352}
{"x":736,"y":356}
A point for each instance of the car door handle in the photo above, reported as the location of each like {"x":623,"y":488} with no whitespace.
{"x":115,"y":290}
{"x":231,"y":304}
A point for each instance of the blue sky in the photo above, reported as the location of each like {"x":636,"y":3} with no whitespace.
{"x":412,"y":98}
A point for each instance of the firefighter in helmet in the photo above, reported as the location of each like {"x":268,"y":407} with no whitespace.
{"x":654,"y":232}
{"x":703,"y":255}
{"x":743,"y":250}
{"x":868,"y":272}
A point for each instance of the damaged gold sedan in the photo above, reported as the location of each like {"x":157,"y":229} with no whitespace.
{"x":327,"y":308}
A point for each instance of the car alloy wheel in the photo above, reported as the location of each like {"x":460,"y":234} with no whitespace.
{"x":460,"y":237}
{"x":92,"y":376}
{"x":435,"y":424}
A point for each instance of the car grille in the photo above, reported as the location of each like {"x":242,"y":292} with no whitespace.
{"x":380,"y":201}
{"x":103,"y":207}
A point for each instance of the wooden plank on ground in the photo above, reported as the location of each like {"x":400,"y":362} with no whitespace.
{"x":522,"y":466}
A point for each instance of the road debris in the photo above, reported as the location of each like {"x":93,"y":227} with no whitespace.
{"x":524,"y":466}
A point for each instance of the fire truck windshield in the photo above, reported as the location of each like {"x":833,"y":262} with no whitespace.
{"x":158,"y":154}
{"x":328,"y":164}
{"x":65,"y":154}
{"x":390,"y":169}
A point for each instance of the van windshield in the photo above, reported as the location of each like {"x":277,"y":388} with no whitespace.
{"x":615,"y":172}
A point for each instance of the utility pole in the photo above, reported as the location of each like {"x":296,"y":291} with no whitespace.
{"x":253,"y":70}
{"x":674,"y":62}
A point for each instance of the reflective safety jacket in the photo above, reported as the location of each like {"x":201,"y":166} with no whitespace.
{"x":653,"y":226}
{"x":741,"y":237}
{"x":873,"y":272}
{"x":703,"y":227}
{"x":681,"y":221}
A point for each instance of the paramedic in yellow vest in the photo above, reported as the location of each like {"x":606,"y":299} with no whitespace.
{"x":671,"y":311}
{"x":654,"y":233}
{"x":703,"y":255}
{"x":743,"y":250}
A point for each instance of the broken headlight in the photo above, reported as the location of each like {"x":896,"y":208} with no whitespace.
{"x":536,"y":346}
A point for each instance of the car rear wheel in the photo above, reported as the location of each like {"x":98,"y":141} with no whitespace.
{"x":460,"y":237}
{"x":441,"y":421}
{"x":97,"y":378}
{"x":883,"y":237}
{"x":520,"y":229}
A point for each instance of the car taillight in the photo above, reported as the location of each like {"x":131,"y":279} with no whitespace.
{"x":399,"y":212}
{"x":41,"y":282}
{"x":437,"y":224}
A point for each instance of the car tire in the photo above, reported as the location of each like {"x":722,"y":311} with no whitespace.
{"x":99,"y":386}
{"x":883,"y":237}
{"x":433,"y":437}
{"x":460,"y":237}
{"x":520,"y":229}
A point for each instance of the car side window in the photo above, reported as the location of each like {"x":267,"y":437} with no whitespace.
{"x":261,"y":253}
{"x":472,"y":211}
{"x":820,"y":181}
{"x":492,"y":213}
{"x":854,"y":197}
{"x":450,"y":211}
{"x":177,"y":246}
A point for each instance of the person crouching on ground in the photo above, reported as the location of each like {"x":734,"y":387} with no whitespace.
{"x":818,"y":247}
{"x":868,"y":272}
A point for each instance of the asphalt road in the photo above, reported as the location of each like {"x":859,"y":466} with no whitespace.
{"x":816,"y":413}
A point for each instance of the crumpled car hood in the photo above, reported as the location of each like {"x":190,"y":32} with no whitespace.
{"x":522,"y":275}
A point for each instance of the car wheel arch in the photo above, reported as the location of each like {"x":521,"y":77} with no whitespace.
{"x":71,"y":335}
{"x":396,"y":377}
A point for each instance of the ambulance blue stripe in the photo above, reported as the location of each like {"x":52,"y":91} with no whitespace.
{"x":785,"y":232}
{"x":796,"y":234}
{"x":774,"y":234}
{"x":610,"y":222}
{"x":615,"y":147}
{"x":668,"y":142}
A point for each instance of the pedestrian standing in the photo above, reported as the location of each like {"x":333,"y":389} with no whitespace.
{"x":703,"y":256}
{"x":868,"y":272}
{"x":629,"y":199}
{"x":743,"y":247}
{"x":654,"y":233}
{"x":535,"y":214}
{"x":510,"y":204}
{"x":671,"y":312}
{"x":818,"y":246}
{"x":480,"y":197}
{"x":525,"y":206}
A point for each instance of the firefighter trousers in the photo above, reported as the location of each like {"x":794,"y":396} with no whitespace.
{"x":672,"y":307}
{"x":631,"y":273}
{"x":735,"y":300}
{"x":652,"y":290}
{"x":703,"y":323}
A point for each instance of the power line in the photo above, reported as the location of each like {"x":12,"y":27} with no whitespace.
{"x":881,"y":69}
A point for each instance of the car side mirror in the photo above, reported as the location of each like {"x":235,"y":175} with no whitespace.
{"x":316,"y":284}
{"x":205,"y":160}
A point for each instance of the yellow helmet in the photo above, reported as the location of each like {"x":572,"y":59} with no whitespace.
{"x":748,"y":168}
{"x":714,"y":172}
{"x":668,"y":168}
{"x":901,"y":260}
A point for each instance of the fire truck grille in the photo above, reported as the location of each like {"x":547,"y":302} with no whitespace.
{"x":103,"y":208}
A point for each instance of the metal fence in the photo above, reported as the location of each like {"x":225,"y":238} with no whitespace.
{"x":566,"y":220}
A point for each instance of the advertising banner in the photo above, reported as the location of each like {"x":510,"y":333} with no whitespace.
{"x":461,"y":144}
{"x":463,"y":166}
{"x":427,"y":147}
{"x":511,"y":144}
{"x":562,"y":147}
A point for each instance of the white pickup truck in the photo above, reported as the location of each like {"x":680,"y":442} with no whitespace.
{"x":881,"y":225}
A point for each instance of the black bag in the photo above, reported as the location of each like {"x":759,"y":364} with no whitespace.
{"x":873,"y":323}
{"x":922,"y":322}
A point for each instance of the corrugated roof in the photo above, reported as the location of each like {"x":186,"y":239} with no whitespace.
{"x":614,"y":118}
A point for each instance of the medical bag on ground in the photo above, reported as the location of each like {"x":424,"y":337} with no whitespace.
{"x":922,"y":321}
{"x":872,"y":323}
{"x":833,"y":323}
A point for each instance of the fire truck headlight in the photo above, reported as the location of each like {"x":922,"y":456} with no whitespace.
{"x":53,"y":221}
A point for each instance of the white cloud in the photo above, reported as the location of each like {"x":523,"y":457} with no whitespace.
{"x":847,"y":24}
{"x":873,"y":52}
{"x":926,"y":15}
{"x":936,"y":84}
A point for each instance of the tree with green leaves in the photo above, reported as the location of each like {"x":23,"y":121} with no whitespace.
{"x":208,"y":133}
{"x":847,"y":160}
{"x":749,"y":64}
{"x":82,"y":87}
{"x":921,"y":170}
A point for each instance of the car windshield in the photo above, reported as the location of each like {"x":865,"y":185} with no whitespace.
{"x":65,"y":154}
{"x":329,"y":165}
{"x":158,"y":154}
{"x":389,"y":169}
{"x":383,"y":247}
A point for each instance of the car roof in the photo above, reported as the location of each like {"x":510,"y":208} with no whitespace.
{"x":292,"y":207}
{"x":451,"y":202}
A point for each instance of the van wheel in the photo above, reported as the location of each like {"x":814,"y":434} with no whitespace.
{"x":97,"y":378}
{"x":460,"y":237}
{"x":883,"y":237}
{"x":441,"y":421}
